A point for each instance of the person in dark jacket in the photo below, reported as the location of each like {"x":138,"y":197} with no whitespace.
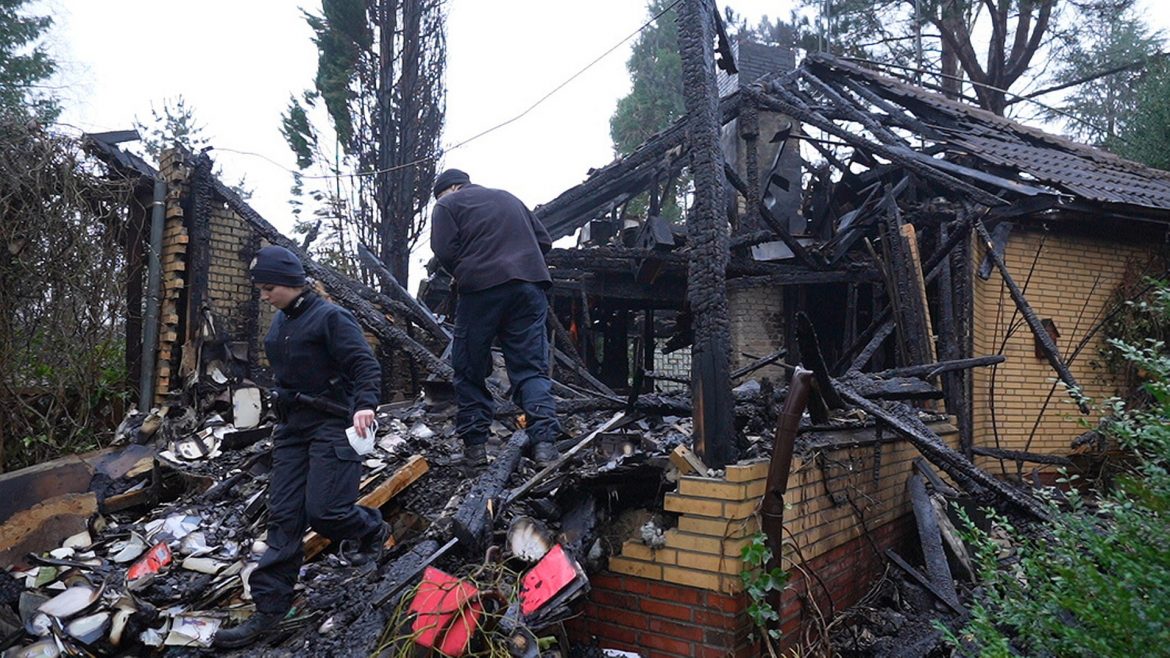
{"x":494,"y":248}
{"x":315,"y":349}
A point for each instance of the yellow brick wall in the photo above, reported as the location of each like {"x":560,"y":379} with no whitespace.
{"x":229,"y":289}
{"x":1072,"y":282}
{"x":834,"y":496}
{"x":757,"y":328}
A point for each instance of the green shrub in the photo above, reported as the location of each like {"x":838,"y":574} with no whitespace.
{"x":1096,"y":580}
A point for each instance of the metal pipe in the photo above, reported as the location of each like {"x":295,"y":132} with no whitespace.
{"x":153,"y":284}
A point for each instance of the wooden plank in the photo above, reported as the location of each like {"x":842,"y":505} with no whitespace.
{"x":414,"y":468}
{"x":930,"y":538}
{"x":925,"y":582}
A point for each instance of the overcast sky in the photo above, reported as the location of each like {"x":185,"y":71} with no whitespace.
{"x":236,"y":62}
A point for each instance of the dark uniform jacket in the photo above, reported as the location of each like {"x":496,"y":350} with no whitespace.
{"x":317,"y":348}
{"x":487,"y":237}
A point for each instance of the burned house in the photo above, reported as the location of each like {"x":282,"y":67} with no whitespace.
{"x":924,"y":278}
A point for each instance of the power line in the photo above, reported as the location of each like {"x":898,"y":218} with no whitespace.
{"x":540,"y":101}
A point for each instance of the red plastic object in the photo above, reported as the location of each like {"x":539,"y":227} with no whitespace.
{"x":551,"y":575}
{"x":155,"y":559}
{"x":448,"y":612}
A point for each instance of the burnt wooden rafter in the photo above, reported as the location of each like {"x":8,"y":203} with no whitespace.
{"x":624,"y":178}
{"x":1043,"y":338}
{"x":905,"y":420}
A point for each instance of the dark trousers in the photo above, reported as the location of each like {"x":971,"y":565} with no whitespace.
{"x":515,"y":313}
{"x":313,"y":483}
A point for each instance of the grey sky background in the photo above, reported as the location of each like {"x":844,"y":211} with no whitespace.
{"x":237,"y":62}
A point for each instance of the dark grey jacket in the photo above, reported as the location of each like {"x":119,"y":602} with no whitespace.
{"x":314,"y":342}
{"x":487,"y":237}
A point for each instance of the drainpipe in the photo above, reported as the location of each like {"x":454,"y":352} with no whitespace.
{"x":153,"y":284}
{"x":787,"y":426}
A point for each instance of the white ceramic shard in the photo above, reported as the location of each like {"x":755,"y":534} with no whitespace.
{"x":70,"y":602}
{"x":90,"y":628}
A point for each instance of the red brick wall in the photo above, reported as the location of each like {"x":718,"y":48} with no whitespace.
{"x":660,"y":620}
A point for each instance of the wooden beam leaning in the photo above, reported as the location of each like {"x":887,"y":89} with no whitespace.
{"x":348,"y":293}
{"x":883,"y":325}
{"x":1047,"y":346}
{"x":930,"y":538}
{"x":421,"y":314}
{"x":930,"y":370}
{"x":412,"y":470}
{"x":905,"y":420}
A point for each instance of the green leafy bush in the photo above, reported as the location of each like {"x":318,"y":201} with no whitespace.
{"x":1096,"y":580}
{"x":760,"y":582}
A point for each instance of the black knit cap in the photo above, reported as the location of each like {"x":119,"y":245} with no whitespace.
{"x":448,"y":178}
{"x":278,"y":266}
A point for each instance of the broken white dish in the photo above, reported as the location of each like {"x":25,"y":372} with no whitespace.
{"x":128,"y":550}
{"x":80,"y":540}
{"x":90,"y":628}
{"x":70,"y":602}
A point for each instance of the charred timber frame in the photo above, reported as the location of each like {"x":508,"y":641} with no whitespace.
{"x":199,"y":247}
{"x":905,"y":421}
{"x":706,"y":280}
{"x":351,"y":295}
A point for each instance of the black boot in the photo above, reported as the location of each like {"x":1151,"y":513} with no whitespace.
{"x":253,"y":628}
{"x":369,"y":548}
{"x":475,"y":455}
{"x":545,"y":453}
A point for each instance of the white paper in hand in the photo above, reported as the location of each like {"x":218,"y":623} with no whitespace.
{"x":362,"y":445}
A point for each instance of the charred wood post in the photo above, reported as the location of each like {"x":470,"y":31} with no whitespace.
{"x":706,"y":282}
{"x":948,"y":337}
{"x":963,"y":294}
{"x":1043,"y":338}
{"x":906,"y":288}
{"x":749,"y":132}
{"x":647,"y":350}
{"x":346,"y":292}
{"x":883,"y":324}
{"x":135,"y":243}
{"x":199,"y":247}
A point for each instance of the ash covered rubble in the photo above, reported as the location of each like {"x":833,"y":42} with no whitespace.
{"x":165,"y":560}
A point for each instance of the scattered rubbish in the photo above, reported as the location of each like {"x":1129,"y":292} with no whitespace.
{"x":528,"y":538}
{"x":128,"y":550}
{"x":142,"y":572}
{"x":89,"y":629}
{"x":448,"y":611}
{"x":556,"y":578}
{"x":192,"y":630}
